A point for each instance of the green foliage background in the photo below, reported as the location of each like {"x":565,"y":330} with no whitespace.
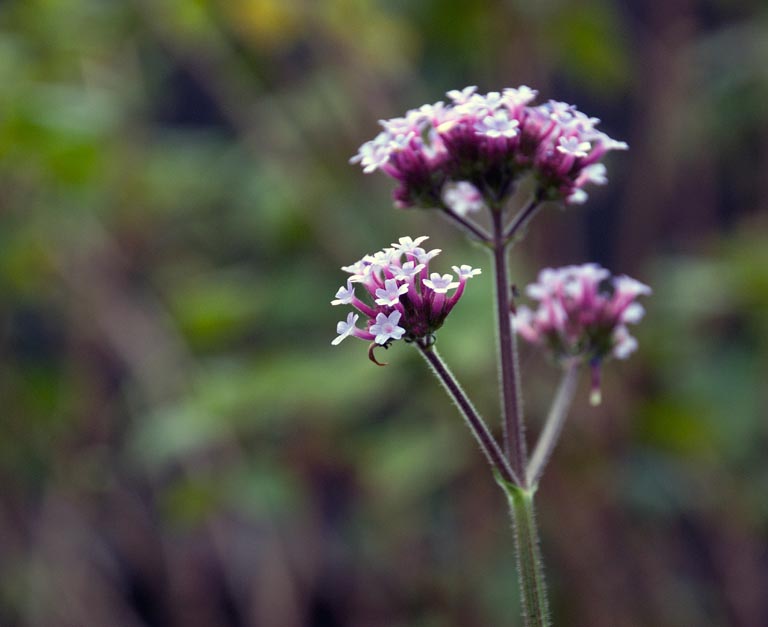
{"x":179,"y":443}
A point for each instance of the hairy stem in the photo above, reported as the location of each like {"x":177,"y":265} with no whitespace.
{"x":533,"y":589}
{"x":473,"y":419}
{"x":512,"y":410}
{"x":550,"y":434}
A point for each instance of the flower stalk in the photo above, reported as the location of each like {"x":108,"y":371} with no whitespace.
{"x":462,"y":158}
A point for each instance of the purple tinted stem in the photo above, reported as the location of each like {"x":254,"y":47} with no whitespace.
{"x":476,"y":424}
{"x":514,"y":433}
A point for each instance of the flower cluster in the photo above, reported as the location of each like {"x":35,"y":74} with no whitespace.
{"x":479,"y":144}
{"x":406,"y":301}
{"x":583,"y":312}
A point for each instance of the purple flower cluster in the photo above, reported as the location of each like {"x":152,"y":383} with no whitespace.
{"x":583,"y":313}
{"x":406,"y":301}
{"x":483,"y":143}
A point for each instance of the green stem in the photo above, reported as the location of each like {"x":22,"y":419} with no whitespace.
{"x":533,"y":589}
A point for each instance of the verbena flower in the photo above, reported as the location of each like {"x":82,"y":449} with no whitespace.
{"x":583,"y":313}
{"x":463,"y":198}
{"x":488,"y":141}
{"x":398,"y":295}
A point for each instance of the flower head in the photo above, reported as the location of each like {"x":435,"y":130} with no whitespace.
{"x":582,"y":313}
{"x":496,"y":137}
{"x":402,"y":303}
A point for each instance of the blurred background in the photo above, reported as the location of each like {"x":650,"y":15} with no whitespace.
{"x":179,"y":443}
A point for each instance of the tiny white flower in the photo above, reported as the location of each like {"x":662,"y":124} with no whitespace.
{"x":407,"y":244}
{"x":585,"y":125}
{"x":628,"y":286}
{"x":520,"y":96}
{"x":428,"y":113}
{"x":595,"y":173}
{"x":583,"y":279}
{"x":493,"y":100}
{"x":612,"y":144}
{"x":390,"y":295}
{"x":560,"y":112}
{"x":374,"y":154}
{"x":401,"y":142}
{"x":578,"y":197}
{"x":344,"y":295}
{"x":422,"y":256}
{"x":523,"y":323}
{"x":633,"y":313}
{"x":549,"y":282}
{"x":345,"y":329}
{"x":573,"y":146}
{"x":625,"y":344}
{"x":460,"y":97}
{"x":357,"y":268}
{"x":385,"y":328}
{"x":592,"y":272}
{"x":440,"y":284}
{"x":381,"y":259}
{"x":466,"y":272}
{"x":497,"y":125}
{"x":409,"y":269}
{"x":463,"y":197}
{"x":396,"y":126}
{"x":476,"y":105}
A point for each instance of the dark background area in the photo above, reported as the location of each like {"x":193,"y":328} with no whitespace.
{"x":180,"y":444}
